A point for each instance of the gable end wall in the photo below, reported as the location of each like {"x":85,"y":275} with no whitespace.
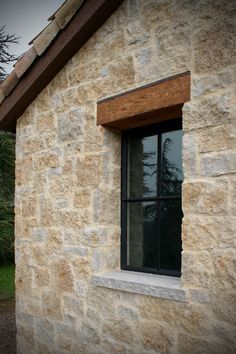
{"x":68,"y":190}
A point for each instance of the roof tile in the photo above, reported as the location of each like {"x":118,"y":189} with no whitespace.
{"x":9,"y":83}
{"x":52,"y":17}
{"x":24,"y":63}
{"x":1,"y":95}
{"x":46,"y":37}
{"x":67,"y":11}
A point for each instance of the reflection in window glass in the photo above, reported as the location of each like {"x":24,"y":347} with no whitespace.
{"x":171,"y":162}
{"x":171,"y":218}
{"x":141,"y":234}
{"x":142,"y":167}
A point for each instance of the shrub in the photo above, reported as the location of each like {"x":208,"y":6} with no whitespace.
{"x":7,"y":181}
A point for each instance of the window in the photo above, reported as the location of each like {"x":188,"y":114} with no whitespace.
{"x":151,"y":214}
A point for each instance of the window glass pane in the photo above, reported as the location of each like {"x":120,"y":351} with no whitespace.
{"x":171,"y":162}
{"x":142,"y":166}
{"x":141,"y":234}
{"x":171,"y":219}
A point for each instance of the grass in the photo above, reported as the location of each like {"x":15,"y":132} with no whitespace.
{"x":7,"y":282}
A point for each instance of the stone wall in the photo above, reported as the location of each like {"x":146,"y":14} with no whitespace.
{"x":68,"y":190}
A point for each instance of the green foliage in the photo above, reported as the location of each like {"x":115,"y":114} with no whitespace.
{"x":7,"y":180}
{"x":7,"y":282}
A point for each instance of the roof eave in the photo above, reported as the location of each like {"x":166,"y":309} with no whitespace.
{"x":82,"y":26}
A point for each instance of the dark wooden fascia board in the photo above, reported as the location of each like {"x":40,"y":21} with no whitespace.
{"x":85,"y":23}
{"x":157,"y":101}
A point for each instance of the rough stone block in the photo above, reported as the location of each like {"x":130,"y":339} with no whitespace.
{"x":217,"y":138}
{"x":42,"y":348}
{"x":188,"y":344}
{"x":38,"y":235}
{"x":81,"y":75}
{"x":59,"y":184}
{"x":82,"y":252}
{"x":211,"y":83}
{"x":190,"y":154}
{"x":199,"y":296}
{"x":232,"y":195}
{"x":45,"y":331}
{"x":225,"y":262}
{"x":207,"y":111}
{"x":216,"y":164}
{"x":214,"y":47}
{"x":45,"y":122}
{"x":46,"y":160}
{"x":200,"y":232}
{"x":93,"y":236}
{"x":155,"y":337}
{"x":209,"y":197}
{"x":89,"y":171}
{"x":70,"y":126}
{"x":106,"y":206}
{"x":41,"y":277}
{"x":63,"y":276}
{"x":119,"y":331}
{"x":43,"y":103}
{"x":51,"y":305}
{"x":73,"y":219}
{"x":123,"y":73}
{"x":224,"y":306}
{"x":81,"y":199}
{"x":32,"y":145}
{"x":25,"y":338}
{"x":73,"y":306}
{"x":197,"y":268}
{"x":29,"y":206}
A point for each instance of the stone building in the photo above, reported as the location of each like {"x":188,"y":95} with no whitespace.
{"x":100,"y":70}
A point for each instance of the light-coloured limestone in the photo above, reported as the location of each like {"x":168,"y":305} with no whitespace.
{"x":217,"y":164}
{"x":217,"y":139}
{"x":205,"y":197}
{"x":189,"y":344}
{"x":51,"y":305}
{"x":67,"y":201}
{"x":190,"y":155}
{"x":197,"y":269}
{"x":151,"y":333}
{"x":232,"y":195}
{"x":158,"y":286}
{"x":219,"y":56}
{"x":45,"y":121}
{"x":199,"y":296}
{"x":207,"y":111}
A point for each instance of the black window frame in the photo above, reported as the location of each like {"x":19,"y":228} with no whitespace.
{"x":158,"y":128}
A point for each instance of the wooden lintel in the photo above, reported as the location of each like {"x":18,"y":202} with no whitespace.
{"x":158,"y":101}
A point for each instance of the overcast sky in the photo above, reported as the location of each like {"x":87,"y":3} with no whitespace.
{"x":25,"y":18}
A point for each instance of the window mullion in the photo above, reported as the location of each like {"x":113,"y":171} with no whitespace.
{"x":158,"y":245}
{"x":124,"y":160}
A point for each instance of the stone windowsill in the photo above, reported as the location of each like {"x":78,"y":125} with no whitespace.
{"x":160,"y":286}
